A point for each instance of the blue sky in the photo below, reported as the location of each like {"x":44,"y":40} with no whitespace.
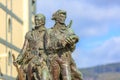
{"x":96,"y":22}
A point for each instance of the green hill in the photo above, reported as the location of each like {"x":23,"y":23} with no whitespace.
{"x":103,"y":72}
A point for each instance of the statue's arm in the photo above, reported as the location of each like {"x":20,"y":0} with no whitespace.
{"x":22,"y":52}
{"x":71,"y":40}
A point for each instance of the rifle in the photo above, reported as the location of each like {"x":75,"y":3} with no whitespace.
{"x":20,"y":74}
{"x":70,"y":23}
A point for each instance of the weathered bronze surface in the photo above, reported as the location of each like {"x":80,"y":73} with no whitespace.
{"x":33,"y":57}
{"x":46,"y":54}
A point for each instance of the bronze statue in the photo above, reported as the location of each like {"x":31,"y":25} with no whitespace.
{"x":46,"y":54}
{"x":60,"y":42}
{"x":33,"y":57}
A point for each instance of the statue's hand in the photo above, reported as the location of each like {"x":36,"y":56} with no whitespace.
{"x":15,"y":63}
{"x":71,"y":40}
{"x":18,"y":61}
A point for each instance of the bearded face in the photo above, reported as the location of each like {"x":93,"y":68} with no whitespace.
{"x":61,"y":18}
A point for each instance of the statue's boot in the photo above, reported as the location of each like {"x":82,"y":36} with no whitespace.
{"x":76,"y":74}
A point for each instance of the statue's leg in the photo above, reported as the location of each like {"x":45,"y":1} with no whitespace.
{"x":55,"y":70}
{"x":43,"y":71}
{"x":29,"y":71}
{"x":76,"y":74}
{"x":35,"y":76}
{"x":65,"y":69}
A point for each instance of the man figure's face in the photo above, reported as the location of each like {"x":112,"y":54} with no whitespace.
{"x":62,"y":17}
{"x":38,"y":21}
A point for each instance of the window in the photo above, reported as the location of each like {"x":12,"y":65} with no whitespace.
{"x":9,"y":58}
{"x":33,"y":6}
{"x":9,"y":25}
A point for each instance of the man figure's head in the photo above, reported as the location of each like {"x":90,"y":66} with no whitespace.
{"x":59,"y":16}
{"x":39,"y":20}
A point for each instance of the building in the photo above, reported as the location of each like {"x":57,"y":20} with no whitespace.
{"x":15,"y":20}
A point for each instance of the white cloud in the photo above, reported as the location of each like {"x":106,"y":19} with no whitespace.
{"x":80,"y":9}
{"x":109,"y":46}
{"x":103,"y":2}
{"x":107,"y":52}
{"x":91,"y":31}
{"x":93,"y":12}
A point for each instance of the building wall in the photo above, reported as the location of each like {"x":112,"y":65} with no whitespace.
{"x":15,"y":21}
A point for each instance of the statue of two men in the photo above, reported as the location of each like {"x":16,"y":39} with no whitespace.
{"x":46,"y":54}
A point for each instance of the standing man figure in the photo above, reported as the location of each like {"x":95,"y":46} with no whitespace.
{"x":60,"y":43}
{"x":33,"y":57}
